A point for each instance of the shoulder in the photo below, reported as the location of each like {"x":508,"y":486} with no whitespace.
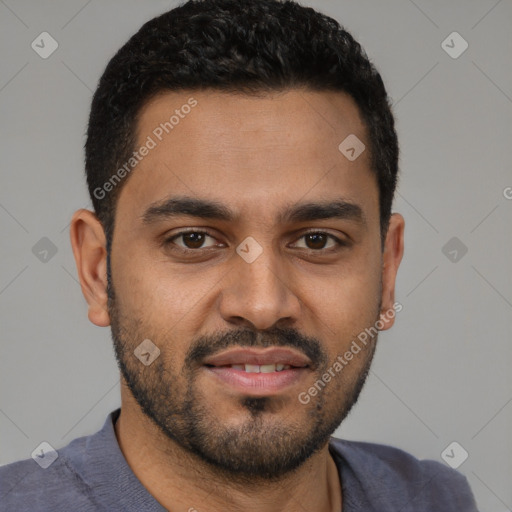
{"x":398,"y":478}
{"x":26,"y":485}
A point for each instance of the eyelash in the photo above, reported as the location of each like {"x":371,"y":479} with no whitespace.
{"x":170,"y":241}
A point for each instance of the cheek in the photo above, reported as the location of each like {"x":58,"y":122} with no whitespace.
{"x":345,"y":305}
{"x":348,"y":295}
{"x":166,"y":300}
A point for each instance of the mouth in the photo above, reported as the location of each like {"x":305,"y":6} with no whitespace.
{"x":257,"y":368}
{"x":258,"y":373}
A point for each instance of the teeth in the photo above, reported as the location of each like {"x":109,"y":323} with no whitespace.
{"x":264,"y":368}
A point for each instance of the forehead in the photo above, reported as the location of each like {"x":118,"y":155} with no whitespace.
{"x":255,"y":153}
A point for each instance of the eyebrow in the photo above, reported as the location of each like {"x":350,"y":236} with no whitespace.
{"x":178,"y":206}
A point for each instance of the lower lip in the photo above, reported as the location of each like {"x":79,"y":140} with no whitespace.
{"x":260,"y":384}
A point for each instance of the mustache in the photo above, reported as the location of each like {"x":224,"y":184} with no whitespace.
{"x":210,"y":345}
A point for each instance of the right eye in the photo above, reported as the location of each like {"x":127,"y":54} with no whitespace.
{"x":191,"y":240}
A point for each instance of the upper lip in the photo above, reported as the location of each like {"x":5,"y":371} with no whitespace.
{"x":278,"y":355}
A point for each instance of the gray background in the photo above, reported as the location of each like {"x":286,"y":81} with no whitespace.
{"x":442,"y":373}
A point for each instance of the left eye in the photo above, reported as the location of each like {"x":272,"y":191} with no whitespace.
{"x":318,"y":240}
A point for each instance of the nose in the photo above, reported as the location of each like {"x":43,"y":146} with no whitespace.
{"x":260,"y":294}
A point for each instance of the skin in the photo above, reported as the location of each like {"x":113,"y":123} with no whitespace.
{"x":258,"y":156}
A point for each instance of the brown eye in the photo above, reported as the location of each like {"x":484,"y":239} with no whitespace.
{"x":191,"y":240}
{"x":316,"y":241}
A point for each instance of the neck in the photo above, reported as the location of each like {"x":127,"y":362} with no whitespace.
{"x":179,"y":480}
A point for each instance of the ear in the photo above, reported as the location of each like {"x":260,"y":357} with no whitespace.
{"x":391,"y":258}
{"x":89,"y":248}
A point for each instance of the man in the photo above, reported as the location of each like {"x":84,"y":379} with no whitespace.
{"x":241,"y":159}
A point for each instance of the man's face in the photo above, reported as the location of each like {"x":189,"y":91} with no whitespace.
{"x":197,"y":297}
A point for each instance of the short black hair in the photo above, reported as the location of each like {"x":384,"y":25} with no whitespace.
{"x":239,"y":46}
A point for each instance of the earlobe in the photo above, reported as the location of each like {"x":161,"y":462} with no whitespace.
{"x":89,"y":248}
{"x":391,"y":258}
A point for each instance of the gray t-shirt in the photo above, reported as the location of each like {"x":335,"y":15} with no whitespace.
{"x":91,"y":473}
